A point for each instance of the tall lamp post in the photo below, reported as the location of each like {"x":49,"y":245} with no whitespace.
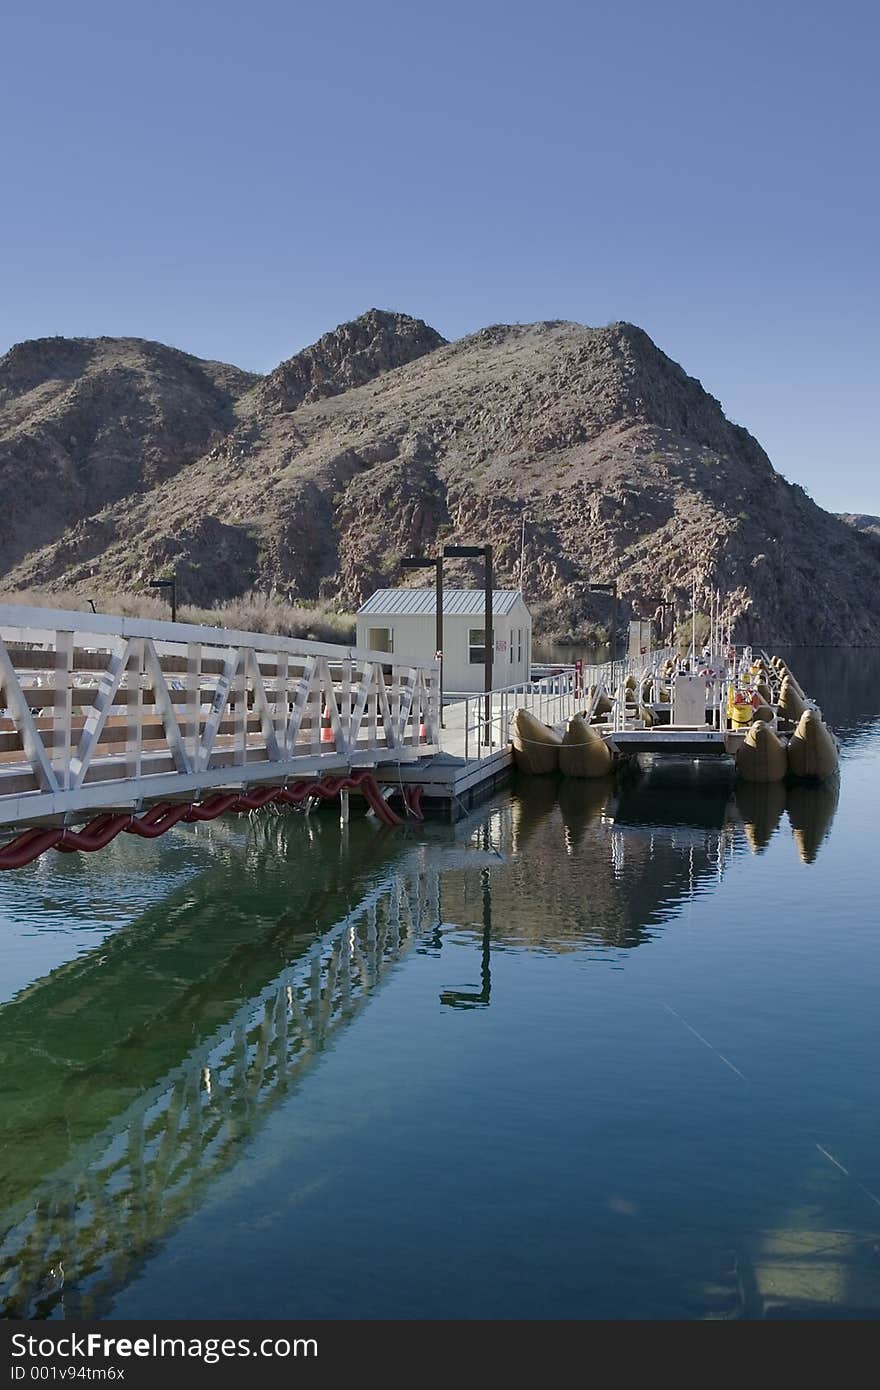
{"x":667,"y":621}
{"x":171,"y":586}
{"x":469,"y":552}
{"x":612,"y":590}
{"x":421,"y":562}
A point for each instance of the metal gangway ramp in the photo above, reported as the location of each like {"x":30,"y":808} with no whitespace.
{"x":101,"y":713}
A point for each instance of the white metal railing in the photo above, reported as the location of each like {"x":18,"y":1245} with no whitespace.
{"x":99,"y":711}
{"x":643,"y":670}
{"x":478,"y":724}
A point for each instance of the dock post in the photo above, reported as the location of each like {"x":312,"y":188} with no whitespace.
{"x":343,"y":807}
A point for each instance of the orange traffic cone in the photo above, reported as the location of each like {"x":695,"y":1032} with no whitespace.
{"x":326,"y":726}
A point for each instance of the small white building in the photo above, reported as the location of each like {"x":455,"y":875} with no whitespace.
{"x":403,"y":622}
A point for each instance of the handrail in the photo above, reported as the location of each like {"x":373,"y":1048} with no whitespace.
{"x":22,"y":618}
{"x":551,"y":697}
{"x":105,"y":712}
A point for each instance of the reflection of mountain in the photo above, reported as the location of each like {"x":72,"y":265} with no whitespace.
{"x":844,"y":681}
{"x":132,"y":1074}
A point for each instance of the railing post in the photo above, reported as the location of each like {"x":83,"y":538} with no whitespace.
{"x":63,"y":711}
{"x":345,"y":708}
{"x":192,"y":707}
{"x":134,"y":711}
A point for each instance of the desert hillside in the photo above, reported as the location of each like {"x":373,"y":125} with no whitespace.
{"x":121,"y":458}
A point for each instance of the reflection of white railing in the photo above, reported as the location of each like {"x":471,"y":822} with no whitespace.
{"x":86,"y":1229}
{"x":102,"y":711}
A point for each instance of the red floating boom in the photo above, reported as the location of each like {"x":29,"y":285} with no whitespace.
{"x":164,"y":815}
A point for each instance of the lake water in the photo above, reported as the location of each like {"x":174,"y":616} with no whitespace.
{"x":601,"y":1050}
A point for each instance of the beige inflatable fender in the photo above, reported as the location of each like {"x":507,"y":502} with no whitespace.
{"x":761,"y":757}
{"x":535,"y":745}
{"x":791,"y":702}
{"x":583,"y":752}
{"x":604,"y":704}
{"x":812,"y":750}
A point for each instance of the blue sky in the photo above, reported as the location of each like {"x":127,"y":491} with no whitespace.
{"x":237,"y":179}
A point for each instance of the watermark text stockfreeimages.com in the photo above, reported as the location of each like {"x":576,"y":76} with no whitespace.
{"x":95,"y":1345}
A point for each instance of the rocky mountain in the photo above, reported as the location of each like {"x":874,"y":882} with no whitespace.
{"x":382,"y":439}
{"x":862,"y":522}
{"x":87,"y":422}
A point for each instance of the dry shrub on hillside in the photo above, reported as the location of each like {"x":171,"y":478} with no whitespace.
{"x":251,"y":613}
{"x":262,"y":613}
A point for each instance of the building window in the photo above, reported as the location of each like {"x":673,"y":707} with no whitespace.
{"x":477,"y":646}
{"x":380,"y":639}
{"x":519,"y":643}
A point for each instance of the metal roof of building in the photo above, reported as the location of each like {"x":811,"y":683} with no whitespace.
{"x":456,"y":602}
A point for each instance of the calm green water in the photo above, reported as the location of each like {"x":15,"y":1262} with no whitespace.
{"x":599,"y":1051}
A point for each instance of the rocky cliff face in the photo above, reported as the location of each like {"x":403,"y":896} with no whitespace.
{"x":382,"y":439}
{"x":85,"y":422}
{"x":353,"y":354}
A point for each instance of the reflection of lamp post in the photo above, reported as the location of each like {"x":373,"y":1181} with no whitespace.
{"x":610,"y":589}
{"x":421,"y":562}
{"x":171,"y":585}
{"x":463,"y":552}
{"x":468,"y":998}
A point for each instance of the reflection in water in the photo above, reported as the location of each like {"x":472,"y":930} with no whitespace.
{"x":810,"y":807}
{"x":761,"y":805}
{"x":676,"y":791}
{"x":810,"y":813}
{"x":473,"y":998}
{"x":582,"y":804}
{"x":623,"y":870}
{"x":139,"y":1074}
{"x":845,"y":682}
{"x":112,"y":1129}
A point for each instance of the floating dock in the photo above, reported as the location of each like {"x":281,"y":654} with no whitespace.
{"x":131,"y":725}
{"x":662,"y":706}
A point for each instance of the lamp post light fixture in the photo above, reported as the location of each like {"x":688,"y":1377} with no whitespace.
{"x":470,"y":552}
{"x":421,"y":562}
{"x":171,"y":585}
